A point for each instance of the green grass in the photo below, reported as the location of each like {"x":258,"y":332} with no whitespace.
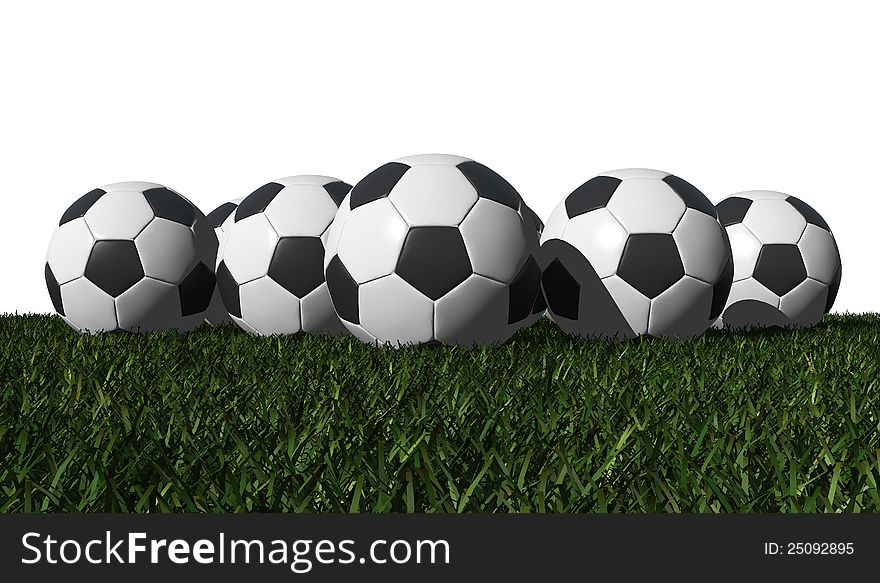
{"x":217,"y":420}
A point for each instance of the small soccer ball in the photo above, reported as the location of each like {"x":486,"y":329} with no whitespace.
{"x":270,"y":265}
{"x":432,"y":249}
{"x":219,"y":219}
{"x":786,"y":265}
{"x":133,"y":256}
{"x":635,"y":252}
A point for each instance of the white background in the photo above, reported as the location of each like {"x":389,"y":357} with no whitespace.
{"x":214,"y":99}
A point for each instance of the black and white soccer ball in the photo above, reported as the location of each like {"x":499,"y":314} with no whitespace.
{"x":786,"y":265}
{"x":219,"y":219}
{"x":270,"y":268}
{"x":133,"y":256}
{"x":635,"y":252}
{"x":432,"y":249}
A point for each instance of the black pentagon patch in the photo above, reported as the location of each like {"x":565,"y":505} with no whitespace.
{"x":833,"y":289}
{"x":808,"y":212}
{"x":167,"y":204}
{"x":434,"y":260}
{"x":54,"y":290}
{"x":559,"y":287}
{"x":562,"y":291}
{"x":489,"y":184}
{"x":780,"y":268}
{"x":691,"y":196}
{"x":524,"y":290}
{"x":257,"y":201}
{"x":216,"y":217}
{"x":732,"y":210}
{"x":650,"y":263}
{"x":721,"y":289}
{"x":343,"y":291}
{"x":196,"y":290}
{"x":228,"y":290}
{"x":591,"y":195}
{"x":81,"y":206}
{"x":114,"y":266}
{"x":748,"y":314}
{"x":298,"y":264}
{"x":377,"y":184}
{"x":337,"y":190}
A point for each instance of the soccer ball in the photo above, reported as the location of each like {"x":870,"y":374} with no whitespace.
{"x":131,"y":256}
{"x":219,"y":219}
{"x":432,"y":249}
{"x":270,"y":265}
{"x":786,"y":265}
{"x":634,"y":252}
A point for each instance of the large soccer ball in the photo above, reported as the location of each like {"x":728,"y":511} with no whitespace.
{"x":270,"y":265}
{"x":786,"y":265}
{"x":131,"y":256}
{"x":634,"y":252}
{"x":432,"y":249}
